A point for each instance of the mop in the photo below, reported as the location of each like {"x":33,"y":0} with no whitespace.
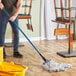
{"x":49,"y":65}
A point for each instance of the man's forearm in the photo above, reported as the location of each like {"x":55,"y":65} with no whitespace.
{"x":18,"y":7}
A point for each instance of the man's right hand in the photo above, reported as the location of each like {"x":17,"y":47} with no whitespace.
{"x":1,"y":6}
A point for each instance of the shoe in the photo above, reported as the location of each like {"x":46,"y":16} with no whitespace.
{"x":17,"y":55}
{"x":4,"y":54}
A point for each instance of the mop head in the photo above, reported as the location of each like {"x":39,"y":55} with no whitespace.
{"x":53,"y":66}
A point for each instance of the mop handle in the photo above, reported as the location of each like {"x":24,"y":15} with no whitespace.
{"x":24,"y":35}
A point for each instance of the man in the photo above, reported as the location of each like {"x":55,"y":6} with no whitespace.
{"x":13,"y":7}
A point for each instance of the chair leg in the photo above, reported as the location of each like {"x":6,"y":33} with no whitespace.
{"x":74,"y":32}
{"x":70,"y":50}
{"x":57,"y":28}
{"x":29,"y":25}
{"x":66,"y":27}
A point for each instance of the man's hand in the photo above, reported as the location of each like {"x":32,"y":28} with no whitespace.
{"x":12,"y":18}
{"x":17,"y":11}
{"x":1,"y":6}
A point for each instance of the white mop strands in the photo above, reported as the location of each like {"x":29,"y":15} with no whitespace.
{"x":53,"y":66}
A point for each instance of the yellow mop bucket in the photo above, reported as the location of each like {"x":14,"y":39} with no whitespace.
{"x":11,"y":69}
{"x":1,"y":54}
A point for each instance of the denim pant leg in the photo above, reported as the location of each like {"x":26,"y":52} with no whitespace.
{"x":3,"y":23}
{"x":16,"y":35}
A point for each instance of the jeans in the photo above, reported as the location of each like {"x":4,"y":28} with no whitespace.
{"x":4,"y":19}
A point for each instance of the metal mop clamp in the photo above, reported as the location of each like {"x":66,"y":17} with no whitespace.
{"x":48,"y":64}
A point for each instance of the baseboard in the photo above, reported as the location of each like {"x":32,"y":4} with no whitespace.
{"x":33,"y":39}
{"x":23,"y":39}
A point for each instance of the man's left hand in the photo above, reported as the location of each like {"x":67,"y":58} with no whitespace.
{"x":12,"y":18}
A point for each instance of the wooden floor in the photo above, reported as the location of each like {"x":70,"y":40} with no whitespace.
{"x":48,"y":49}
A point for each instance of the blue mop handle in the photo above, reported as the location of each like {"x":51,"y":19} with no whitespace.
{"x":25,"y":35}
